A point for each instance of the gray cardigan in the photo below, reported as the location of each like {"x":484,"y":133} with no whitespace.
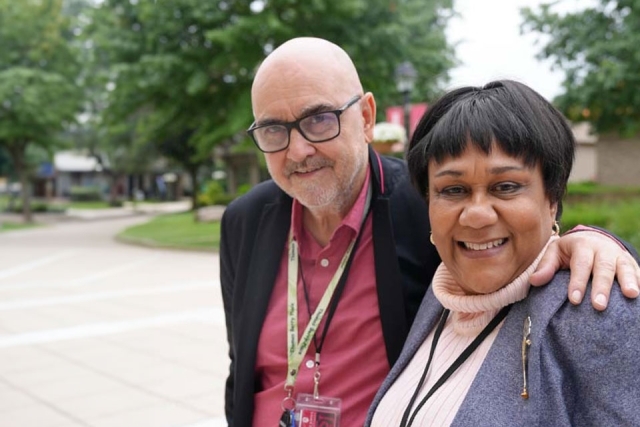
{"x":583,"y":367}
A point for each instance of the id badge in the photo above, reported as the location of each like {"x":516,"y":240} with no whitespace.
{"x":320,"y":412}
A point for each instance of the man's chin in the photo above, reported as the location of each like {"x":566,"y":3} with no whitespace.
{"x":315,"y":199}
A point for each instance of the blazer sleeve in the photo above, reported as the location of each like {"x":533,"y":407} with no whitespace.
{"x":227,"y":280}
{"x":589,"y":364}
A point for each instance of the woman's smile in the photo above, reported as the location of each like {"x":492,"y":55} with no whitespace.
{"x":490,"y":216}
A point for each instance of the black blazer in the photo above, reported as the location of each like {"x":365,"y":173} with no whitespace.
{"x":253,"y":236}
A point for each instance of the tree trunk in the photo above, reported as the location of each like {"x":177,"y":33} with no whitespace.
{"x":17,"y":151}
{"x":23,"y":173}
{"x":114,"y":183}
{"x":193,"y":173}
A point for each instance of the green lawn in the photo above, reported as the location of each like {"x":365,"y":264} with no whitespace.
{"x":175,"y":231}
{"x":8,"y":226}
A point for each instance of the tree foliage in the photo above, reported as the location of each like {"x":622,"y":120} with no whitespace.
{"x":184,"y":68}
{"x":598,"y":49}
{"x":38,"y":68}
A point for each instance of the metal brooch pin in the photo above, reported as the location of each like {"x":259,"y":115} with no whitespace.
{"x":526,"y":343}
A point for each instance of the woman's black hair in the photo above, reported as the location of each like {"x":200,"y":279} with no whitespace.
{"x":510,"y":114}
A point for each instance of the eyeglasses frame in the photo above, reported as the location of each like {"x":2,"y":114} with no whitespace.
{"x":296,"y":125}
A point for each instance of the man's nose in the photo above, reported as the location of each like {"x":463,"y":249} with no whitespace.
{"x":299,"y":147}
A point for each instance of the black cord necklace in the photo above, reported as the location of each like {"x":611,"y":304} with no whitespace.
{"x":409,"y":415}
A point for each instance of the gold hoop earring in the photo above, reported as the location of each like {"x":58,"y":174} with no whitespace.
{"x":431,"y":239}
{"x":555,"y":228}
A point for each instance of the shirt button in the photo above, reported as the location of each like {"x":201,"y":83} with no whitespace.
{"x":324,"y":262}
{"x":309,"y":364}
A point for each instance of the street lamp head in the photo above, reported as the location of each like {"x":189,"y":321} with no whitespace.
{"x":406,"y":76}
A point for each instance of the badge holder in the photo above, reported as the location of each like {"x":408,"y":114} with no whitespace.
{"x":317,"y":411}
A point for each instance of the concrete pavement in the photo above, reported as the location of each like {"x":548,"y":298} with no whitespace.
{"x":127,"y":210}
{"x":98,"y":334}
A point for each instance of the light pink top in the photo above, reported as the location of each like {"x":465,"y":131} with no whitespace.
{"x":353,"y":360}
{"x":469,"y":315}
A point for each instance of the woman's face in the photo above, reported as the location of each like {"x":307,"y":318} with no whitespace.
{"x":489,"y":215}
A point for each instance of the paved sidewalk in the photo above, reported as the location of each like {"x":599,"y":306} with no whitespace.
{"x":94,"y":333}
{"x":128,"y":210}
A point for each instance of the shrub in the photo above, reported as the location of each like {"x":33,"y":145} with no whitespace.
{"x":85,"y":194}
{"x":36,"y":207}
{"x":583,"y":213}
{"x":243,"y":189}
{"x":214,"y":194}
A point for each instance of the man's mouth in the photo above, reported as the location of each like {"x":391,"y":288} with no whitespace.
{"x":306,"y":171}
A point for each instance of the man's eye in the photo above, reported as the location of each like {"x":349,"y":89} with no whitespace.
{"x":319,"y":118}
{"x":274,"y":130}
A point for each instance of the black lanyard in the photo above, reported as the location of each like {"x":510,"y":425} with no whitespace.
{"x":406,"y":421}
{"x":336,"y":296}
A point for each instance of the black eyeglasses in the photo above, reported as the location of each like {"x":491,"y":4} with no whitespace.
{"x":318,"y":127}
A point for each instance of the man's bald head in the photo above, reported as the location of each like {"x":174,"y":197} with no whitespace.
{"x":313,"y":60}
{"x":313,"y":77}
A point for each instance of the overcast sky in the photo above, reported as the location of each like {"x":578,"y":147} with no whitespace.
{"x":490,"y":45}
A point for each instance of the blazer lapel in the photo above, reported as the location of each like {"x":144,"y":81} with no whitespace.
{"x":388,"y":278}
{"x":269,"y":243}
{"x":495,"y":392}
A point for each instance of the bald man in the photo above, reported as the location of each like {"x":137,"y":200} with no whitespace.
{"x":323,"y":267}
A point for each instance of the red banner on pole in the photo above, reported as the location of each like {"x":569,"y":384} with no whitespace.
{"x":395,"y":115}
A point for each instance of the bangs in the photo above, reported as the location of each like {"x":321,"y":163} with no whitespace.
{"x":508,"y":114}
{"x":482,"y":122}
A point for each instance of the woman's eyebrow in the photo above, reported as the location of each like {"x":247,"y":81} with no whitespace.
{"x":502,"y":169}
{"x":449,"y":172}
{"x":495,"y":171}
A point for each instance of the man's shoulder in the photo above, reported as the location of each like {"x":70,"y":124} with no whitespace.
{"x":396,"y":174}
{"x":394,"y":165}
{"x":253,"y":202}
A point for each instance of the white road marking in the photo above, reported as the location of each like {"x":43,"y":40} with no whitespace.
{"x":31,"y":265}
{"x":213,"y":316}
{"x":111,"y":271}
{"x":80,"y":281}
{"x":98,"y":296}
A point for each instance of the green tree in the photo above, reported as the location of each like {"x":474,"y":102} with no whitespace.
{"x":598,"y":50}
{"x":184,"y":67}
{"x":38,"y":95}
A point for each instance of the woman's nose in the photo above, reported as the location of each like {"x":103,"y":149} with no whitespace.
{"x":478,"y":213}
{"x":299,"y":147}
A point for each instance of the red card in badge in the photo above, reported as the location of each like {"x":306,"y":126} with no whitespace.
{"x":320,"y":412}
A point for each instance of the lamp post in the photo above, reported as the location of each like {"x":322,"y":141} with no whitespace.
{"x":406,"y":76}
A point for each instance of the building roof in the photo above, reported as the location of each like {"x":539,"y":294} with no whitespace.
{"x":75,"y":161}
{"x":583,"y":133}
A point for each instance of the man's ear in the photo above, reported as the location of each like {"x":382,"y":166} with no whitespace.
{"x":368,"y":107}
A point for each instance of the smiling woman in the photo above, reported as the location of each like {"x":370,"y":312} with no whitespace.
{"x":493,"y":163}
{"x":490,"y":217}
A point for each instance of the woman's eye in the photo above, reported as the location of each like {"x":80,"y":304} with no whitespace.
{"x":506,"y":187}
{"x":452,"y":191}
